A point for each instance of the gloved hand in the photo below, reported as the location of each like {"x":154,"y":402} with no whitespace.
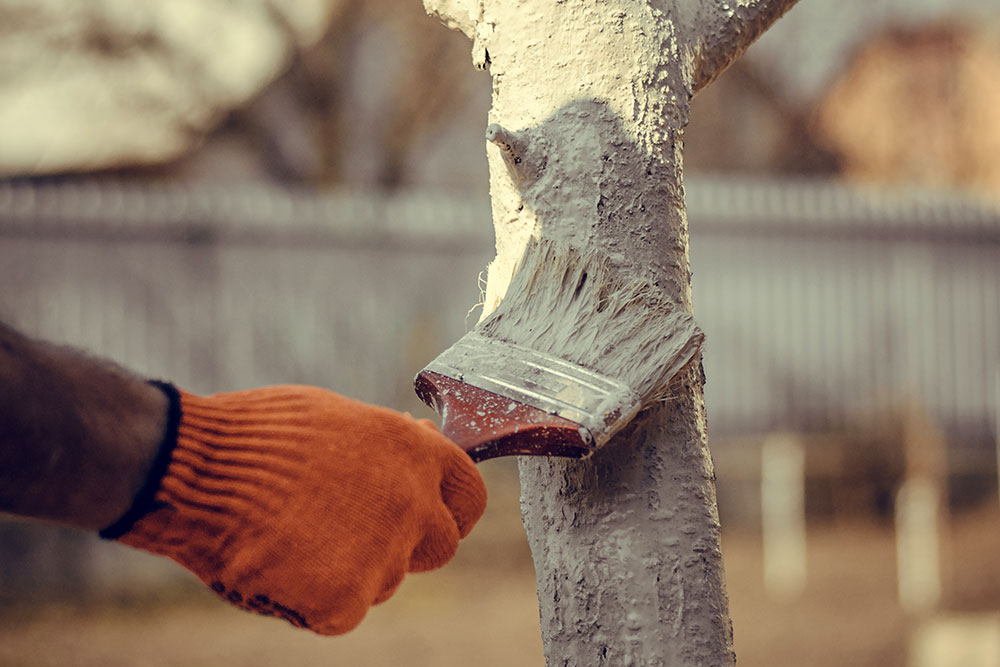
{"x":296,"y":502}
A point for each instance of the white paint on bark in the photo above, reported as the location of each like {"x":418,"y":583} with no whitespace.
{"x":626,"y":544}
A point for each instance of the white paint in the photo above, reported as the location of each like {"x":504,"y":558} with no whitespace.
{"x":783,"y":515}
{"x":598,"y":94}
{"x":918,"y":569}
{"x":574,"y":306}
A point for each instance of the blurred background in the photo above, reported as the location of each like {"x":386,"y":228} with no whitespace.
{"x":234,"y":193}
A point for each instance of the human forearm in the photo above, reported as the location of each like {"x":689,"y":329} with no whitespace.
{"x":77,"y":435}
{"x":288,"y":501}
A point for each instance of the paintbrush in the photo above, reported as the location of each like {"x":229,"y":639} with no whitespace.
{"x":569,"y":357}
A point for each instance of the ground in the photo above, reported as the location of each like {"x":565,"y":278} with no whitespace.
{"x":481,"y":610}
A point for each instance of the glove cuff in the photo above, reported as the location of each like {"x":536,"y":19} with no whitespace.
{"x":235,"y":461}
{"x":144,"y":500}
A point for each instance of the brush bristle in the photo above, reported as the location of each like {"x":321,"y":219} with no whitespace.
{"x":572,"y":304}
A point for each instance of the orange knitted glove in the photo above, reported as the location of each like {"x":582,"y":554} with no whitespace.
{"x":296,"y":502}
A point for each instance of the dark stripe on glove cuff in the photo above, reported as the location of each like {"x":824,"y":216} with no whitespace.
{"x":143,"y":503}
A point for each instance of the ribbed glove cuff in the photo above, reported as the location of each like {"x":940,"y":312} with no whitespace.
{"x":144,"y":500}
{"x":229,"y":459}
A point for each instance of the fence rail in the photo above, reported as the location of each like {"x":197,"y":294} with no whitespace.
{"x":719,"y":206}
{"x":824,"y":305}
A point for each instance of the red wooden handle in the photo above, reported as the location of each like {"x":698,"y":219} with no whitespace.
{"x":487,"y":425}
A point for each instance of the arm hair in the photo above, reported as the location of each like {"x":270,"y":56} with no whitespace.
{"x":77,"y":435}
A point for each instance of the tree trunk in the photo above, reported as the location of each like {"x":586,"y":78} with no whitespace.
{"x":594,"y":96}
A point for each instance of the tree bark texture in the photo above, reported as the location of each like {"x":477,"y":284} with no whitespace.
{"x":593,"y":97}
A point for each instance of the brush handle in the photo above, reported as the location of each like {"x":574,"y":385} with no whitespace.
{"x":487,"y":425}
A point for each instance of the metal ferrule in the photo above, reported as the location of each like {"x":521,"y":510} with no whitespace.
{"x":599,"y":404}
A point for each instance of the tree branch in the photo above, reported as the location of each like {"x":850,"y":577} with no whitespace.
{"x":732,"y":26}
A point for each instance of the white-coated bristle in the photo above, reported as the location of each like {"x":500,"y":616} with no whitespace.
{"x":572,"y":304}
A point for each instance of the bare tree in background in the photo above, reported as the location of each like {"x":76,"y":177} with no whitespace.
{"x":112,"y":84}
{"x":302,"y":125}
{"x":104,"y":83}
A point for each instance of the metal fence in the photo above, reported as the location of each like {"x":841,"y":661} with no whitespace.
{"x":824,"y":306}
{"x":827,"y":306}
{"x":224,"y":289}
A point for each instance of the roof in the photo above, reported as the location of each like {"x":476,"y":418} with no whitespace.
{"x":811,"y":44}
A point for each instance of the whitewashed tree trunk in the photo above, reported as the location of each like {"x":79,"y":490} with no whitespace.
{"x":594,"y":96}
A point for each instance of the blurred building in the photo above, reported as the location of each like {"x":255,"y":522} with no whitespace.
{"x":918,"y":106}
